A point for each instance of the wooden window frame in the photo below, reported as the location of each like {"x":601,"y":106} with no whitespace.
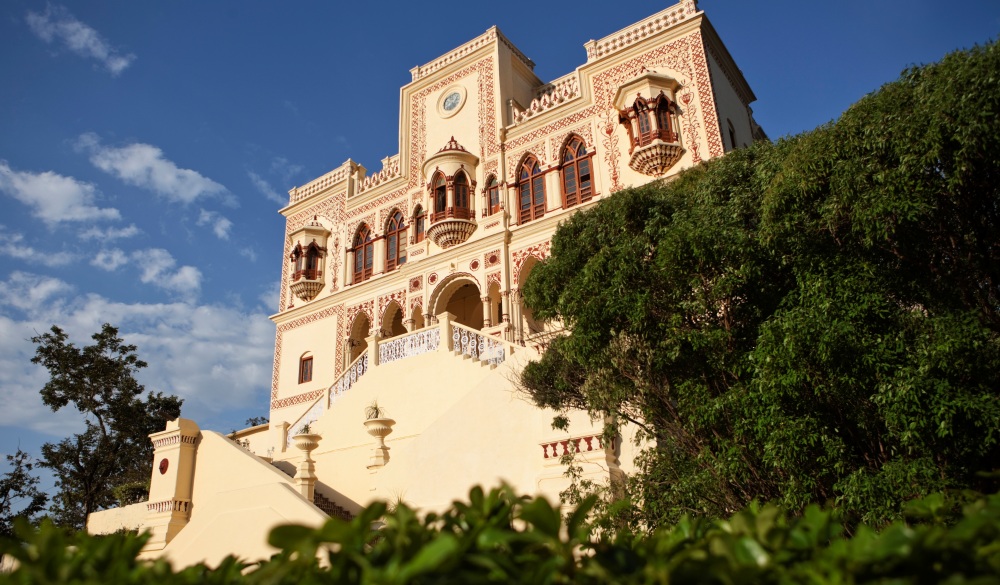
{"x":366,"y":247}
{"x":530,"y":182}
{"x":571,"y":169}
{"x":419,"y":225}
{"x":492,"y":195}
{"x":305,"y":369}
{"x":395,"y":234}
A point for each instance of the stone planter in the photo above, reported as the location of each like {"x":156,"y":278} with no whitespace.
{"x":380,"y":429}
{"x":307,"y":442}
{"x":305,"y":477}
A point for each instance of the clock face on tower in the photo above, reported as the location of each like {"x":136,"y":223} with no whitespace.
{"x":451,"y":101}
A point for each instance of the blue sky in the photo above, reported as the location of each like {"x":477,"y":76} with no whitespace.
{"x":145,"y":149}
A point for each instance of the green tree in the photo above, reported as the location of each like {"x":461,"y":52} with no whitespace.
{"x":811,"y":320}
{"x":19,"y":493}
{"x":114,"y":449}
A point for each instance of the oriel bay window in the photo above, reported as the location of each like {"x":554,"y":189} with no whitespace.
{"x":395,"y":242}
{"x":531,"y":188}
{"x":576,"y":182}
{"x":439,"y":192}
{"x":461,"y":209}
{"x":364,"y":254}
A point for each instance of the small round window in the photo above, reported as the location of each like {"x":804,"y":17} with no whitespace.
{"x":451,"y":101}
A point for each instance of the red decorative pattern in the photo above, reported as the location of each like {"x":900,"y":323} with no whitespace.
{"x":585,"y":131}
{"x":432,"y":278}
{"x":337,"y":310}
{"x":297,"y":399}
{"x":491,"y":278}
{"x":491,"y":225}
{"x":398,"y":297}
{"x":367,"y":307}
{"x":492,"y":258}
{"x":416,"y":302}
{"x":474,"y":265}
{"x":539,"y":251}
{"x":705,"y":95}
{"x":690,"y":129}
{"x":416,"y":283}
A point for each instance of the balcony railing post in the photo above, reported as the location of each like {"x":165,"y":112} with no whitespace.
{"x":444,"y":322}
{"x":372,"y":349}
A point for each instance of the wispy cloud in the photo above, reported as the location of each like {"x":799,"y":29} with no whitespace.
{"x":285,"y":169}
{"x":96,"y":233}
{"x":220,"y":225}
{"x":191,"y":348}
{"x":13,"y":245}
{"x":144,"y":165}
{"x":157,"y":267}
{"x":248,"y":253}
{"x":109,"y":260}
{"x":52,"y":197}
{"x":266,"y":189}
{"x":57,"y":24}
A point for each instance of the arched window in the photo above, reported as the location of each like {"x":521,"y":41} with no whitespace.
{"x":439,"y":191}
{"x":364,"y":253}
{"x":576,"y":182}
{"x":492,"y":195}
{"x":395,"y":242}
{"x":642,"y":117}
{"x":419,"y":224}
{"x":305,"y":369}
{"x":531,"y":187}
{"x":462,"y":210}
{"x":307,"y":262}
{"x":663,"y":119}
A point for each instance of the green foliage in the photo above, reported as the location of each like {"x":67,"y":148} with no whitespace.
{"x":496,"y":537}
{"x":114,"y":449}
{"x":808,"y":321}
{"x":19,"y":493}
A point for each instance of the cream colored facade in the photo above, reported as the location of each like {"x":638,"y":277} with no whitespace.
{"x":490,"y":160}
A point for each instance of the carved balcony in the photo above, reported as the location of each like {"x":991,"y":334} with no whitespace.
{"x":306,"y":284}
{"x":656,"y":157}
{"x":452,"y":226}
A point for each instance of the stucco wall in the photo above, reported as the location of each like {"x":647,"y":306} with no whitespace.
{"x":115,"y":519}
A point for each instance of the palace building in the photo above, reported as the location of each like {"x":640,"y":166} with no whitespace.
{"x":400,"y":327}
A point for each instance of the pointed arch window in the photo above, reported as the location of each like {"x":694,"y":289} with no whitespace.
{"x":492,"y":195}
{"x":395,"y":242}
{"x":531,"y":189}
{"x":419,"y":224}
{"x":462,"y":208}
{"x":364,"y":254}
{"x":576,"y":181}
{"x":439,"y":192}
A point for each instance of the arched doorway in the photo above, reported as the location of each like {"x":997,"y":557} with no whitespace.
{"x":459,"y":295}
{"x":356,"y":340}
{"x":392,"y":321}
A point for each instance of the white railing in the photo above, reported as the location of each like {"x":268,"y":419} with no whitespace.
{"x":354,"y":371}
{"x":308,"y":418}
{"x":423,"y":341}
{"x":472,"y":343}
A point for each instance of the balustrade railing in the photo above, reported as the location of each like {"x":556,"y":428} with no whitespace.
{"x":312,"y":415}
{"x":354,"y":371}
{"x":472,"y":343}
{"x":416,"y":343}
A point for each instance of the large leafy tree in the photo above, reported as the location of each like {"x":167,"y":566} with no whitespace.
{"x":817,"y":319}
{"x":114,"y":450}
{"x":19,"y":493}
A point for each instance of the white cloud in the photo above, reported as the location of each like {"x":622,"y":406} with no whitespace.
{"x":266,"y":188}
{"x":52,"y":197}
{"x":109,"y":234}
{"x":57,"y":24}
{"x":215,"y":357}
{"x":248,"y":253}
{"x":143,"y":165}
{"x":157,"y":268}
{"x":13,"y":245}
{"x":109,"y":260}
{"x":220,"y":225}
{"x":285,"y":169}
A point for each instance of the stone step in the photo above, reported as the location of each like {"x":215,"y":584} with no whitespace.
{"x":332,"y":510}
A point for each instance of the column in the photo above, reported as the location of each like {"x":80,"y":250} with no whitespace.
{"x":487,"y":313}
{"x":169,"y":506}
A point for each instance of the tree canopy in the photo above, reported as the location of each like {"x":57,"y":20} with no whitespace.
{"x":113,"y":456}
{"x":815,"y":319}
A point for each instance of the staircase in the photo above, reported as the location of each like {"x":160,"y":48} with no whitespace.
{"x":322,"y":502}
